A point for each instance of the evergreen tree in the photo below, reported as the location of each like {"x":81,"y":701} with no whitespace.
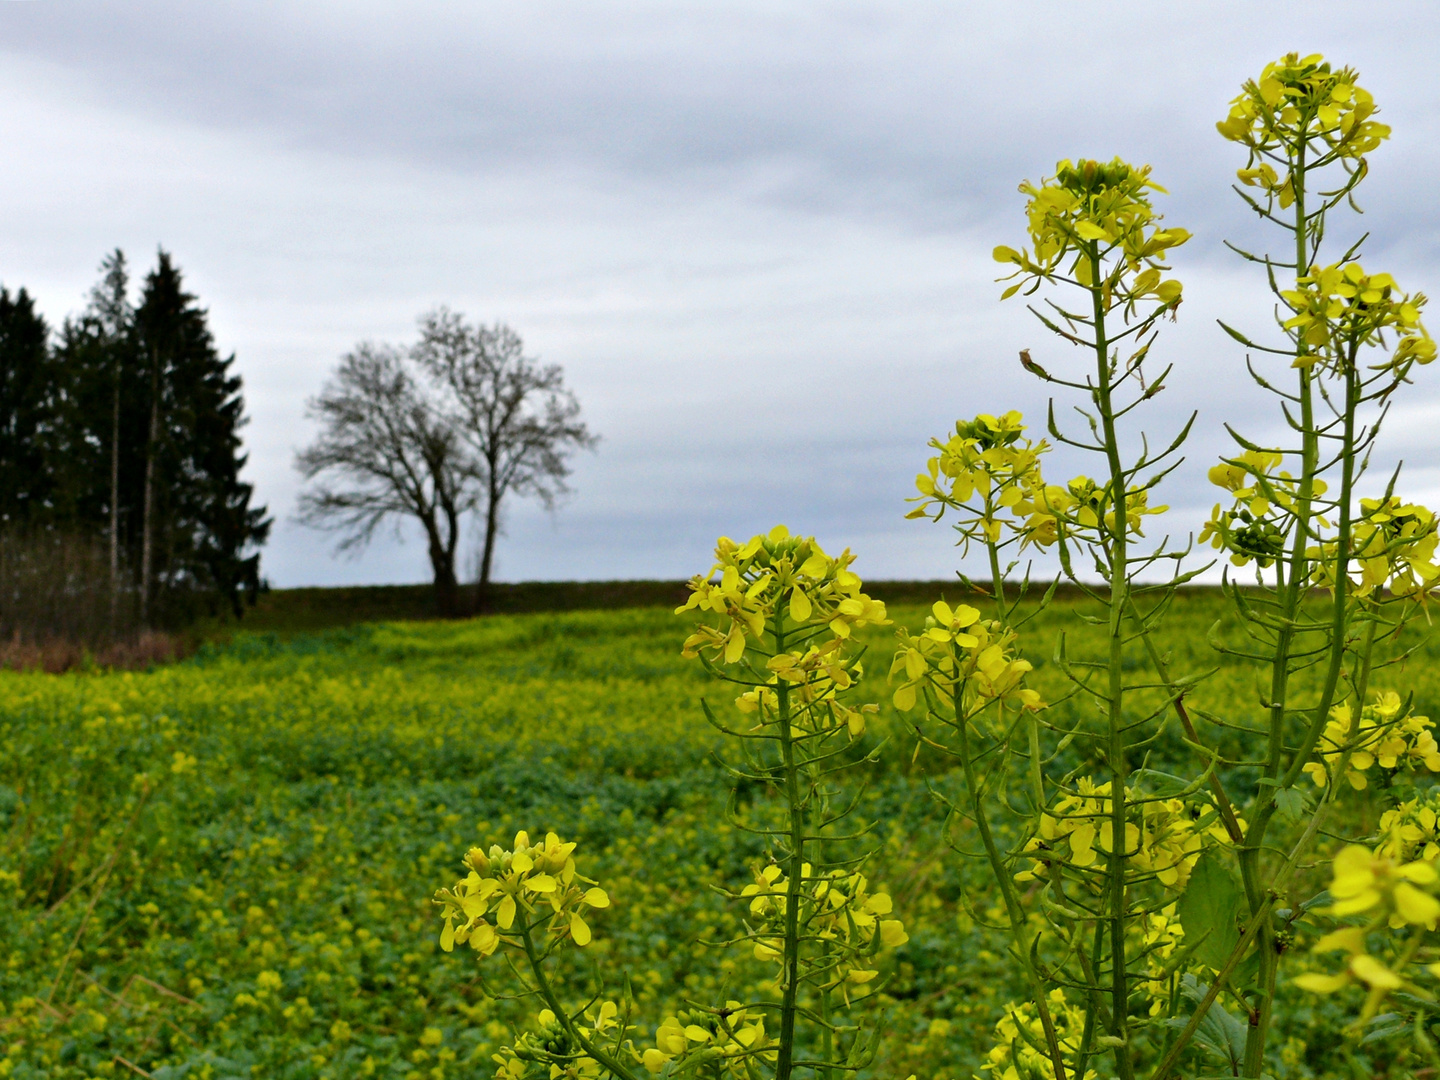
{"x":197,"y":530}
{"x":101,"y":413}
{"x":126,"y":434}
{"x":28,"y":407}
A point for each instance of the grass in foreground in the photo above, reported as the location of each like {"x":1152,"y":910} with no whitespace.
{"x":221,"y":868}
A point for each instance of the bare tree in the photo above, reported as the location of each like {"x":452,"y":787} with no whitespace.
{"x":518,"y":420}
{"x":387,"y":437}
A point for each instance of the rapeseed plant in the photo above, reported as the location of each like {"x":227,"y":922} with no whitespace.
{"x":1111,"y":910}
{"x":784,"y":614}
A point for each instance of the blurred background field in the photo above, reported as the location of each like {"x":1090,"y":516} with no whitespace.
{"x":222,"y":867}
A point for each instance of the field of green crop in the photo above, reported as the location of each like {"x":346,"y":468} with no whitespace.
{"x":222,"y":868}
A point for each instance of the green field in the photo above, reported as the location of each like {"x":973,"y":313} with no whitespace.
{"x":222,"y":868}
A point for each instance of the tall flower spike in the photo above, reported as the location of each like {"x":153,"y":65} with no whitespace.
{"x":1100,"y":206}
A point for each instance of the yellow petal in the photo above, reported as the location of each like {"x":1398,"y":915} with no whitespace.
{"x":735,"y":644}
{"x":1351,"y":939}
{"x":800,"y":607}
{"x":505,"y":913}
{"x":1416,"y":907}
{"x":597,"y":897}
{"x":579,"y":930}
{"x":1317,"y":983}
{"x":1373,"y":973}
{"x":1422,"y":873}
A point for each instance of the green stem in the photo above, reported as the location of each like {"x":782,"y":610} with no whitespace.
{"x":791,"y":958}
{"x":1291,"y":588}
{"x":1339,"y":617}
{"x":1115,"y":716}
{"x":1261,"y":917}
{"x":543,"y":985}
{"x":1032,"y":722}
{"x":1019,"y":927}
{"x":827,"y":1037}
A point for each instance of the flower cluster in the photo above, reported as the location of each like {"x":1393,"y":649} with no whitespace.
{"x":1090,"y":211}
{"x":815,"y":677}
{"x":524,"y":881}
{"x":557,"y":1053}
{"x":1163,"y":837}
{"x":1092,"y":503}
{"x":728,"y":1038}
{"x":1393,"y":545}
{"x":985,"y":468}
{"x":837,"y":910}
{"x":768,"y":579}
{"x":1265,"y":494}
{"x":960,"y":654}
{"x":1300,"y":100}
{"x":1338,"y":306}
{"x":1385,"y":733}
{"x":1385,"y":892}
{"x":1408,"y":831}
{"x":1019,"y":1051}
{"x":989,"y":474}
{"x":1160,"y":937}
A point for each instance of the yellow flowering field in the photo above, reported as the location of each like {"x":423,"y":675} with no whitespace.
{"x":223,"y":868}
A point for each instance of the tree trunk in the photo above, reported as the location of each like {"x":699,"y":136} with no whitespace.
{"x":147,"y":543}
{"x":442,"y":564}
{"x":445,"y":585}
{"x":115,"y":508}
{"x":487,"y":557}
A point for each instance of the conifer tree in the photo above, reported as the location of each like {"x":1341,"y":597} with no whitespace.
{"x":27,"y":412}
{"x":197,"y":530}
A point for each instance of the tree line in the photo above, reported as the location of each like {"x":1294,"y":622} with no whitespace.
{"x":121,"y":428}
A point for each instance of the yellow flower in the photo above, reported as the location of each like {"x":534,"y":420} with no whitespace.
{"x":1091,"y":211}
{"x":1388,"y":892}
{"x":1019,"y":1050}
{"x":960,"y":653}
{"x":1163,"y":838}
{"x":1301,"y":99}
{"x":503,"y":885}
{"x":1381,"y":736}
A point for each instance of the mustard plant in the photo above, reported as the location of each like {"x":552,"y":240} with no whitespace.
{"x":778,"y":618}
{"x":1095,"y":863}
{"x":1137,"y":898}
{"x":1349,"y":341}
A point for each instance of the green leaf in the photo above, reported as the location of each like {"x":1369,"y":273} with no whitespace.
{"x":1221,"y":1034}
{"x":1208,"y":908}
{"x":1290,"y":804}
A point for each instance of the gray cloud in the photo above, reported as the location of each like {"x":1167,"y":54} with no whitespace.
{"x":757,"y":238}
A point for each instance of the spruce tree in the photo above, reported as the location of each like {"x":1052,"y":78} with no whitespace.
{"x":197,"y":529}
{"x":28,"y":407}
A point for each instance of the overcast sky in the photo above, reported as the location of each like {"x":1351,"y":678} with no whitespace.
{"x":755,"y":235}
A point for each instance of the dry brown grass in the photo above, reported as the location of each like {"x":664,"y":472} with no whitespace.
{"x":56,"y":655}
